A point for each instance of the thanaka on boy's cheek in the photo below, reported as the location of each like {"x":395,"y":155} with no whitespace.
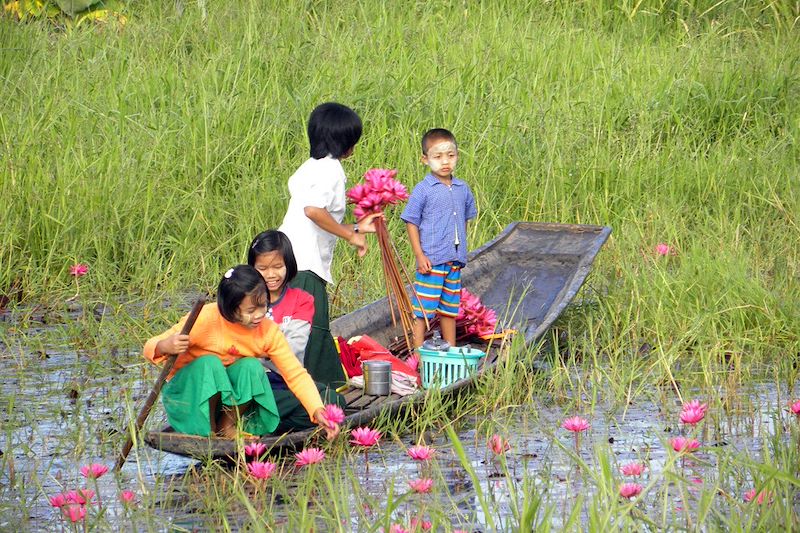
{"x":442,"y":155}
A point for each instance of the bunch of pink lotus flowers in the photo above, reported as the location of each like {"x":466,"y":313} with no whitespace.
{"x":477,"y":318}
{"x":74,"y":504}
{"x":379,"y":190}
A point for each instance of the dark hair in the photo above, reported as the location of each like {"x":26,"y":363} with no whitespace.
{"x":273,"y":240}
{"x":437,"y":134}
{"x":237,"y":283}
{"x":333,"y":129}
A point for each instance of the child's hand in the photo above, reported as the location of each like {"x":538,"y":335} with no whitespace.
{"x":172,"y":345}
{"x":360,"y":243}
{"x":331,"y":428}
{"x":367,"y":224}
{"x":423,"y":264}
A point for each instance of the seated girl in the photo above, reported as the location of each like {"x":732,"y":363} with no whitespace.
{"x":218,"y":383}
{"x":292,"y":309}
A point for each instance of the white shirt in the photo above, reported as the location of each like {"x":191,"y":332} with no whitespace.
{"x":317,"y":183}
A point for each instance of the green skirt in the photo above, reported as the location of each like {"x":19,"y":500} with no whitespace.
{"x":321,"y":358}
{"x":292,"y":413}
{"x":186,"y":395}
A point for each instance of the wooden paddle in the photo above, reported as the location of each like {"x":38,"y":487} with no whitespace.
{"x":151,"y":399}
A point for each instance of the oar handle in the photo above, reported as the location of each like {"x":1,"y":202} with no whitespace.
{"x":153,"y":396}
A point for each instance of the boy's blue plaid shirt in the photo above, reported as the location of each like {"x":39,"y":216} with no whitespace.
{"x":441,"y":213}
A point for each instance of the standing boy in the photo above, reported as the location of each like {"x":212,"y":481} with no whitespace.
{"x":436,"y":219}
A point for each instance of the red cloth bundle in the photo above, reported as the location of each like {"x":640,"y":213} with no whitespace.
{"x":365,"y":348}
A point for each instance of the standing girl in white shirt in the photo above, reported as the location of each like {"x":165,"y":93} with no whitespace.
{"x":313,"y":222}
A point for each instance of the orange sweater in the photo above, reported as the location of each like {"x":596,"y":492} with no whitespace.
{"x":213,"y":335}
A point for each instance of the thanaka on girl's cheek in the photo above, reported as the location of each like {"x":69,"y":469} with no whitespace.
{"x":272,"y":267}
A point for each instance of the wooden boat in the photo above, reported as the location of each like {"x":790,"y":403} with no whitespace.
{"x":528,"y":275}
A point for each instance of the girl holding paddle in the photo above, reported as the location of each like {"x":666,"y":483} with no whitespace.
{"x":218,"y":383}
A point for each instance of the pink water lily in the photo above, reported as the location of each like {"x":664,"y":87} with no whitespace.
{"x":80,"y":496}
{"x":256,"y":449}
{"x":309,"y":456}
{"x":365,"y":437}
{"x":413,"y":361}
{"x":58,"y":500}
{"x":692,"y":416}
{"x":74,"y":512}
{"x":334,"y":413}
{"x":498,"y":444}
{"x":93,"y":471}
{"x":695,"y":405}
{"x":424,"y":525}
{"x":575,"y":424}
{"x":420,"y":452}
{"x":479,"y":320}
{"x":795,"y":408}
{"x":629,"y":490}
{"x":421,"y":486}
{"x":763,"y":496}
{"x":663,"y":249}
{"x":127,"y":496}
{"x":78,"y":270}
{"x":379,"y":190}
{"x":632,"y":469}
{"x":261,"y":470}
{"x":684,"y":444}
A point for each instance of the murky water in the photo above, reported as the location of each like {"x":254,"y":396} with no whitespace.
{"x":61,"y":410}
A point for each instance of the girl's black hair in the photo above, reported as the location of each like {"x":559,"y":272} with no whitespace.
{"x":237,"y":283}
{"x":273,"y":240}
{"x":333,"y":129}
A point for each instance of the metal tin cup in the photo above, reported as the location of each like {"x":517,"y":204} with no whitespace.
{"x":377,"y":377}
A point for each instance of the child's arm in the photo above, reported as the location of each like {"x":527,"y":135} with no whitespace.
{"x":168,"y":343}
{"x":298,"y":380}
{"x":322,"y":218}
{"x":423,"y":263}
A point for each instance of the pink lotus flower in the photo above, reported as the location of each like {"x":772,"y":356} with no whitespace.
{"x":261,"y":470}
{"x":309,"y":456}
{"x":80,"y":496}
{"x":93,"y":471}
{"x":424,"y":525}
{"x":365,"y":437}
{"x":127,"y":496}
{"x":379,"y":190}
{"x":683,"y":444}
{"x":795,"y":408}
{"x":695,"y":405}
{"x":575,"y":424}
{"x":498,"y":444}
{"x":78,"y":270}
{"x":59,"y":500}
{"x":478,"y":319}
{"x":421,"y":486}
{"x":629,"y":490}
{"x":663,"y":249}
{"x":413,"y":361}
{"x":632,"y":469}
{"x":764,"y":495}
{"x":692,"y":416}
{"x":74,"y":512}
{"x":257,"y":449}
{"x":334,"y":413}
{"x":421,"y":453}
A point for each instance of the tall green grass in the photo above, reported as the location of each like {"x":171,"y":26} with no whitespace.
{"x":155,"y":151}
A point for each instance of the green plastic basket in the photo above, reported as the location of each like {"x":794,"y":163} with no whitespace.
{"x":440,"y":369}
